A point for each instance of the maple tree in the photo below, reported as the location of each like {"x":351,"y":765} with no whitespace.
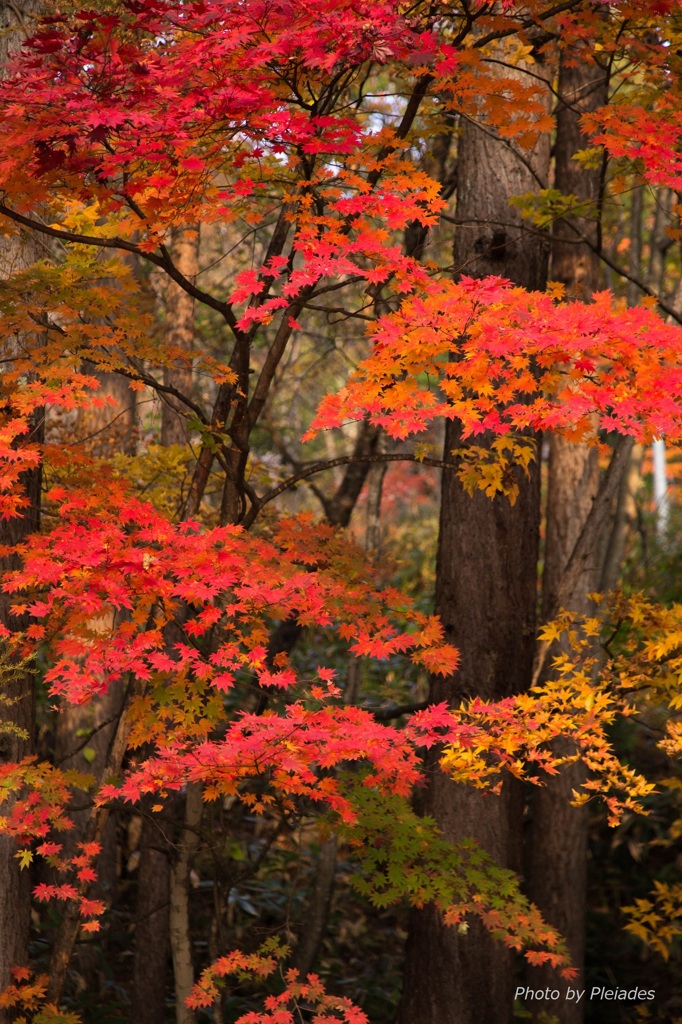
{"x":125,"y":123}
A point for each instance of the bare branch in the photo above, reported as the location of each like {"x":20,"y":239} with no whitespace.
{"x":164,"y":260}
{"x":343,"y":460}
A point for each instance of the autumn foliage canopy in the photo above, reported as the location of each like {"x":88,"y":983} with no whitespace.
{"x":122,"y":123}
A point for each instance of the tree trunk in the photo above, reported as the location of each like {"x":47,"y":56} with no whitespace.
{"x":179,"y":334}
{"x":317,"y":910}
{"x":635,"y":251}
{"x":150,"y":970}
{"x":486,"y":581}
{"x":556,"y":842}
{"x":180,"y":937}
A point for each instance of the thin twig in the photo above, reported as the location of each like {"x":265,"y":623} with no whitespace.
{"x":343,"y":460}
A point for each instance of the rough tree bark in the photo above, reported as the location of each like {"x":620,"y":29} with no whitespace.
{"x":148,"y":1002}
{"x":557,"y":834}
{"x":486,"y":579}
{"x":180,"y":934}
